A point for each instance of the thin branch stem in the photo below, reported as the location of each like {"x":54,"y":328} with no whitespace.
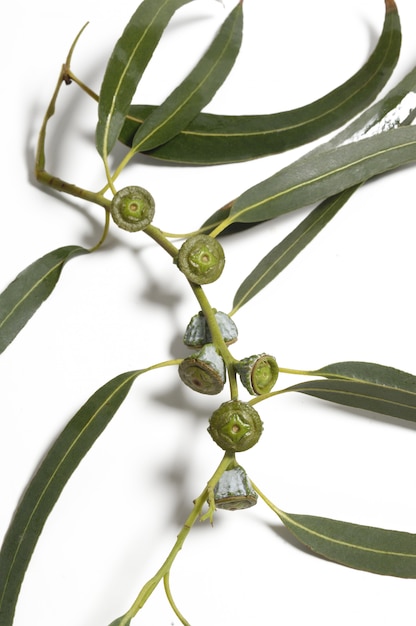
{"x":285,"y":370}
{"x":172,"y":603}
{"x":157,"y":236}
{"x":41,"y":174}
{"x":265,"y":499}
{"x":151,"y":584}
{"x":82,"y":85}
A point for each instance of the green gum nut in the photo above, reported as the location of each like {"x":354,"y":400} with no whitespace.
{"x":132,"y":208}
{"x":197,"y":332}
{"x":203,"y":371}
{"x":234,"y":491}
{"x":235,"y":426}
{"x":201,"y":258}
{"x":258,"y":373}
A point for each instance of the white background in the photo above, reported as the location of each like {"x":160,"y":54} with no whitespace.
{"x":348,"y":296}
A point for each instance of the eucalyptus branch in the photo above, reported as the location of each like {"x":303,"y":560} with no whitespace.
{"x":179,"y":131}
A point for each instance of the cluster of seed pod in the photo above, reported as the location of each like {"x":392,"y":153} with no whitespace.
{"x":204,"y":370}
{"x":235,"y":426}
{"x":258,"y":373}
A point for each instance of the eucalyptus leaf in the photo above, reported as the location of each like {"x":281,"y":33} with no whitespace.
{"x":281,"y":255}
{"x":213,"y":139}
{"x":315,"y":178}
{"x":369,"y":372}
{"x":21,"y":299}
{"x":397,"y":108}
{"x":48,"y":482}
{"x":388,"y":552}
{"x":126,"y":65}
{"x":196,"y":90}
{"x":370,"y":396}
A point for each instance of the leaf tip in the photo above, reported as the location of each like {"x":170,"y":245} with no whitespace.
{"x":390,"y":6}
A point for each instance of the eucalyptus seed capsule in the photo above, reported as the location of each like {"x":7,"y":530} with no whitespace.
{"x":235,"y":426}
{"x":204,"y":371}
{"x":258,"y":373}
{"x":227,"y":328}
{"x":234,"y":491}
{"x":197,"y":333}
{"x":201,"y":258}
{"x":132,"y":208}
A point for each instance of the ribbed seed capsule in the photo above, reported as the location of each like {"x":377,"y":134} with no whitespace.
{"x":235,"y":426}
{"x":132,"y":208}
{"x":233,"y":491}
{"x":258,"y":373}
{"x":201,"y":258}
{"x":204,"y":371}
{"x":197,"y":332}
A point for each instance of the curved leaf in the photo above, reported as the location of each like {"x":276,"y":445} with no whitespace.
{"x":388,"y":552}
{"x":126,"y":65}
{"x":397,"y":108}
{"x":318,"y":176}
{"x":196,"y":90}
{"x":20,"y":300}
{"x":280,"y":256}
{"x":47,"y":484}
{"x":213,"y":139}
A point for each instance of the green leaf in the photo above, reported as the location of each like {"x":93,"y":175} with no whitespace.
{"x":284,"y":253}
{"x":48,"y":482}
{"x":196,"y":90}
{"x":397,"y":108}
{"x":318,"y":176}
{"x":369,"y":372}
{"x":212,"y":139}
{"x":126,"y":65}
{"x":387,"y":399}
{"x":377,"y":550}
{"x":20,"y":300}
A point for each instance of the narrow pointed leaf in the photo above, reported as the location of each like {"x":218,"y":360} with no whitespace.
{"x":47,"y":484}
{"x":21,"y":299}
{"x":401,"y":113}
{"x":212,"y":139}
{"x":127,"y":63}
{"x":370,"y":396}
{"x":369,"y":372}
{"x":196,"y":90}
{"x":397,"y":108}
{"x":284,"y":253}
{"x":388,"y":552}
{"x":314,"y":178}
